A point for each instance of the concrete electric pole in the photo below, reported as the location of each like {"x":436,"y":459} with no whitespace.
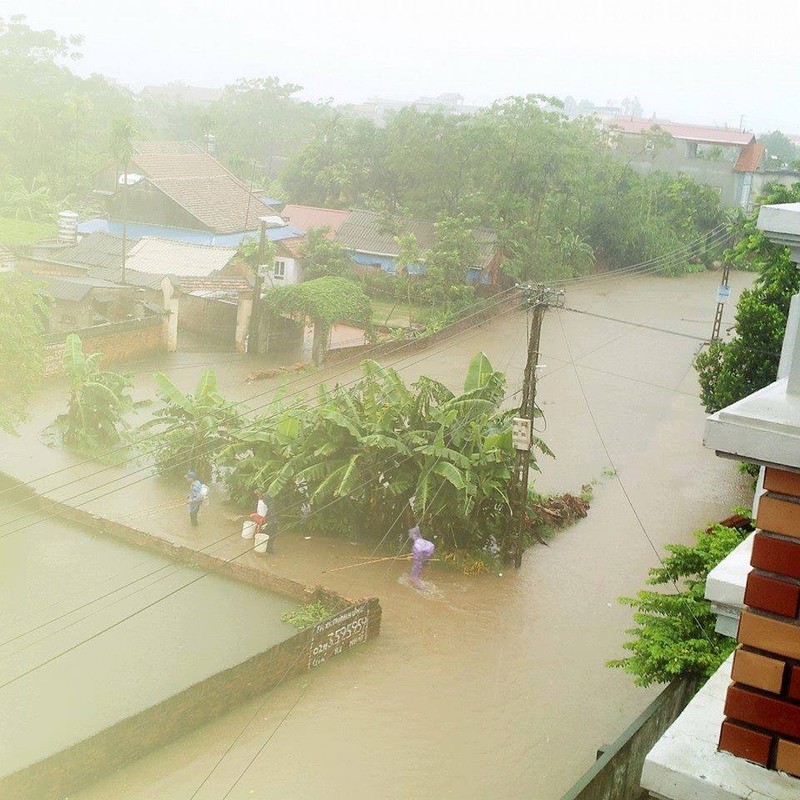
{"x":723,"y":293}
{"x":254,"y":329}
{"x":539,"y":299}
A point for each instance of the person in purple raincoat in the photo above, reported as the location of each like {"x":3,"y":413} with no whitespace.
{"x":421,"y":552}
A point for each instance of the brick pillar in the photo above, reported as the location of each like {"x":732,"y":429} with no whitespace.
{"x":762,"y":709}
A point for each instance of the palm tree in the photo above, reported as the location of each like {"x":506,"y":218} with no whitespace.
{"x":123,"y":129}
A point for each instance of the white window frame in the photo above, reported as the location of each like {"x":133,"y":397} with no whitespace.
{"x":280,"y":268}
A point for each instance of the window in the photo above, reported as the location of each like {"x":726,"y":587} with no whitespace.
{"x":280,"y":268}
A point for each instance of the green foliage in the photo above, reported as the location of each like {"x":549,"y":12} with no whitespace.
{"x":782,"y":152}
{"x":15,"y":232}
{"x":555,"y":193}
{"x":53,"y":124}
{"x":22,"y":315}
{"x":371,"y":446}
{"x":322,"y":257}
{"x":306,"y":616}
{"x":98,"y":401}
{"x":328,"y":300}
{"x":675,"y":634}
{"x":729,"y":371}
{"x":191,"y":428}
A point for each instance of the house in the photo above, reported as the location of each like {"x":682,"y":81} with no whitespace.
{"x":305,"y":218}
{"x":370,"y":243}
{"x":726,"y":158}
{"x":175,"y":189}
{"x":83,"y":302}
{"x":287,"y":266}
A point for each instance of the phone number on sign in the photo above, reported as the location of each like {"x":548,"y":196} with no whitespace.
{"x":338,"y":640}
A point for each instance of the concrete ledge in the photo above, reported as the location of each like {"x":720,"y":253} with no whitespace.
{"x":763,"y":427}
{"x":685,"y":763}
{"x":725,"y":587}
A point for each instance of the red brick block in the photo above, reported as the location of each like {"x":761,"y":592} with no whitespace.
{"x":770,"y":594}
{"x":780,"y":716}
{"x":779,"y":516}
{"x":788,"y":757}
{"x":775,"y":555}
{"x":794,"y":684}
{"x":782,"y":481}
{"x":745,"y":742}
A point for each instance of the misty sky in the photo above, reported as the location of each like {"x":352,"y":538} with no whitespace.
{"x":688,"y":60}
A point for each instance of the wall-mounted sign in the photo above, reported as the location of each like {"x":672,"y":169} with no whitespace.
{"x":339,"y":633}
{"x":723,"y":293}
{"x":521,"y":433}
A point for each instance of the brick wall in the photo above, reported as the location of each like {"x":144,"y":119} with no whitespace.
{"x":117,"y":341}
{"x":762,"y":708}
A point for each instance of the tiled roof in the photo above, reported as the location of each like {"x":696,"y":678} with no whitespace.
{"x":750,"y":158}
{"x":94,"y":250}
{"x":199,"y":184}
{"x":364,"y":232}
{"x":289,"y":247}
{"x":212,"y":284}
{"x":703,"y":134}
{"x":304,"y":218}
{"x":153,"y":256}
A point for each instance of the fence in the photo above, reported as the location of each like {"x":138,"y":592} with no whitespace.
{"x":616,"y":773}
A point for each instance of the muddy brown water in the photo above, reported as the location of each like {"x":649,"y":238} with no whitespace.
{"x":71,"y":667}
{"x":485,"y":687}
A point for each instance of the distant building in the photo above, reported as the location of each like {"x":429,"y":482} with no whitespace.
{"x":181,"y":93}
{"x":728,"y":159}
{"x":379,"y":110}
{"x":177,"y":185}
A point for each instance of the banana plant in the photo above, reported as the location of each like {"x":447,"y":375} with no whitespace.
{"x":98,"y":401}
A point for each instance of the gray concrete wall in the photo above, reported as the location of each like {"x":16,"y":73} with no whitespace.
{"x":615,"y":775}
{"x":672,"y":158}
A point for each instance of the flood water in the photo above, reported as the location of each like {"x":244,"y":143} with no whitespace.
{"x":93,"y":650}
{"x":496,"y":686}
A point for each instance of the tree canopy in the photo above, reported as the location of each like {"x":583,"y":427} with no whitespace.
{"x":729,"y":371}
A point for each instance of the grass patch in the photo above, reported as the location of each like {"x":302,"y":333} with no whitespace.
{"x":306,"y":616}
{"x":16,"y":232}
{"x":386,"y":312}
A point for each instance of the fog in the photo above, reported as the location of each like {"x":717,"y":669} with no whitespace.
{"x":687,"y":60}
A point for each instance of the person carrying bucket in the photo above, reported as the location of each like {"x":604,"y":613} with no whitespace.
{"x":197,"y":494}
{"x":264,"y":522}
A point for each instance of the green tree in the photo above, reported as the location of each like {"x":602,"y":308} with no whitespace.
{"x":674,"y":634}
{"x":22,"y":315}
{"x":123,"y":129}
{"x":98,"y":401}
{"x":324,"y":301}
{"x":729,"y":371}
{"x":322,"y":257}
{"x":781,"y":151}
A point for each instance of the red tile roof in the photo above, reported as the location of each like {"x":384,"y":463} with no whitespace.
{"x":750,"y":158}
{"x":704,"y":134}
{"x":289,"y":247}
{"x":304,"y":218}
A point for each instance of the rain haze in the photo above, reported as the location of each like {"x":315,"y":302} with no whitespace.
{"x":702,"y":62}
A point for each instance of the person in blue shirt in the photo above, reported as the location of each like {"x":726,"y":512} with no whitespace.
{"x":195,"y":496}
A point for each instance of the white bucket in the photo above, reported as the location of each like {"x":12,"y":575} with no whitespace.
{"x":261,"y":542}
{"x":248,"y":529}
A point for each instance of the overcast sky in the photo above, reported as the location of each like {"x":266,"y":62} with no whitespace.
{"x":708,"y":61}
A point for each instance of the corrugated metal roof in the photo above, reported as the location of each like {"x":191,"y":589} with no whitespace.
{"x":704,"y":134}
{"x":304,"y":218}
{"x":200,"y":184}
{"x":365,"y":232}
{"x":61,"y":287}
{"x":153,"y":256}
{"x":94,"y":250}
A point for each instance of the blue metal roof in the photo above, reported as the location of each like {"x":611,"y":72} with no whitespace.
{"x":138,"y":229}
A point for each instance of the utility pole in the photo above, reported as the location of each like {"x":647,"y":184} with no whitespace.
{"x":254,"y":329}
{"x":723,"y":293}
{"x":539,"y":299}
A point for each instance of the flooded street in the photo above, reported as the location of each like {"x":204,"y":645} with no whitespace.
{"x":492,"y":686}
